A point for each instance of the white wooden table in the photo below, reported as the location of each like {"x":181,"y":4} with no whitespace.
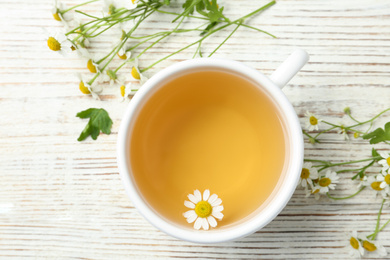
{"x":62,"y":199}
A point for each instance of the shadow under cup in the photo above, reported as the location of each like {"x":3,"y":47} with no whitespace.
{"x":209,"y":127}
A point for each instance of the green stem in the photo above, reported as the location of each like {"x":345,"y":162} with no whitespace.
{"x":230,"y":35}
{"x":387,"y":222}
{"x":259,"y":30}
{"x":210,"y":33}
{"x":373,"y":235}
{"x":348,"y":197}
{"x":73,"y":7}
{"x":325,"y":131}
{"x":172,"y":13}
{"x":328,"y":164}
{"x":372,"y":119}
{"x":350,"y":116}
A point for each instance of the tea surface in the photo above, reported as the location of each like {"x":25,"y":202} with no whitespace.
{"x":207,"y":130}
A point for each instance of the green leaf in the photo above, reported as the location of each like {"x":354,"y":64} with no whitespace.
{"x":208,"y":28}
{"x":374,"y":153}
{"x":99,"y":120}
{"x":379,"y":134}
{"x":189,"y":6}
{"x":215,"y":13}
{"x":167,"y":2}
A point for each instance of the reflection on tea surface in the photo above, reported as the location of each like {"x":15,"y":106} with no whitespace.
{"x":207,"y":130}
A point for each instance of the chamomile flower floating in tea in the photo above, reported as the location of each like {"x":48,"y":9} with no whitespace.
{"x":312,"y":122}
{"x":204,"y":210}
{"x":308,"y":174}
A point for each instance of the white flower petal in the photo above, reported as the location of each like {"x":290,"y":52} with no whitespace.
{"x":382,"y":162}
{"x":218,"y":208}
{"x":324,"y":190}
{"x":205,"y":224}
{"x":217,"y":202}
{"x":217,"y":215}
{"x":380,"y":177}
{"x":192,"y":218}
{"x":206,"y":195}
{"x":198,"y":223}
{"x":189,"y":213}
{"x":384,"y":155}
{"x":198,"y":195}
{"x":189,"y":204}
{"x":212,"y":221}
{"x":212,"y":198}
{"x":192,"y":198}
{"x":383,"y":184}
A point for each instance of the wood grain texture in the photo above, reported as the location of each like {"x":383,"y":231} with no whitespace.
{"x":61,"y":199}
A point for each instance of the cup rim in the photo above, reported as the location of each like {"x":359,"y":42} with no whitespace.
{"x":288,"y":184}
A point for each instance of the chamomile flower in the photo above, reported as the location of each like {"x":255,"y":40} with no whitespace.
{"x":343,"y":132}
{"x":363,"y":182}
{"x":123,"y":54}
{"x":355,"y":246}
{"x":308,"y":174}
{"x":128,"y":90}
{"x":59,"y":14}
{"x":136,"y":74}
{"x":312,"y":122}
{"x":315,"y":190}
{"x":95,"y":89}
{"x":204,"y":211}
{"x":327,"y":182}
{"x":385,"y":162}
{"x":113,"y":77}
{"x":57,"y":41}
{"x":375,"y":185}
{"x":111,"y":6}
{"x":384,"y":178}
{"x":374,"y":248}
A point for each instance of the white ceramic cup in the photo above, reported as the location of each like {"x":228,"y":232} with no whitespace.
{"x":272,"y":86}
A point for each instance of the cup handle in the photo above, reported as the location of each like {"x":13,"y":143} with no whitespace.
{"x":287,"y":70}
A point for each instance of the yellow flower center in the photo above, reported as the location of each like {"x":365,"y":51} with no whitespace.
{"x":57,"y":16}
{"x":91,"y":67}
{"x":53,"y":44}
{"x":324,"y":182}
{"x":305,"y":173}
{"x":73,"y":48}
{"x":387,"y":179}
{"x":388,"y":160}
{"x":356,"y":135}
{"x":123,"y":35}
{"x":313,"y":120}
{"x":133,"y":1}
{"x":354,"y":243}
{"x":369,"y":246}
{"x":123,"y":88}
{"x":315,"y":191}
{"x":111,"y":9}
{"x":123,"y":57}
{"x":376,"y":185}
{"x":83,"y":88}
{"x":203,"y":209}
{"x":135,"y":73}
